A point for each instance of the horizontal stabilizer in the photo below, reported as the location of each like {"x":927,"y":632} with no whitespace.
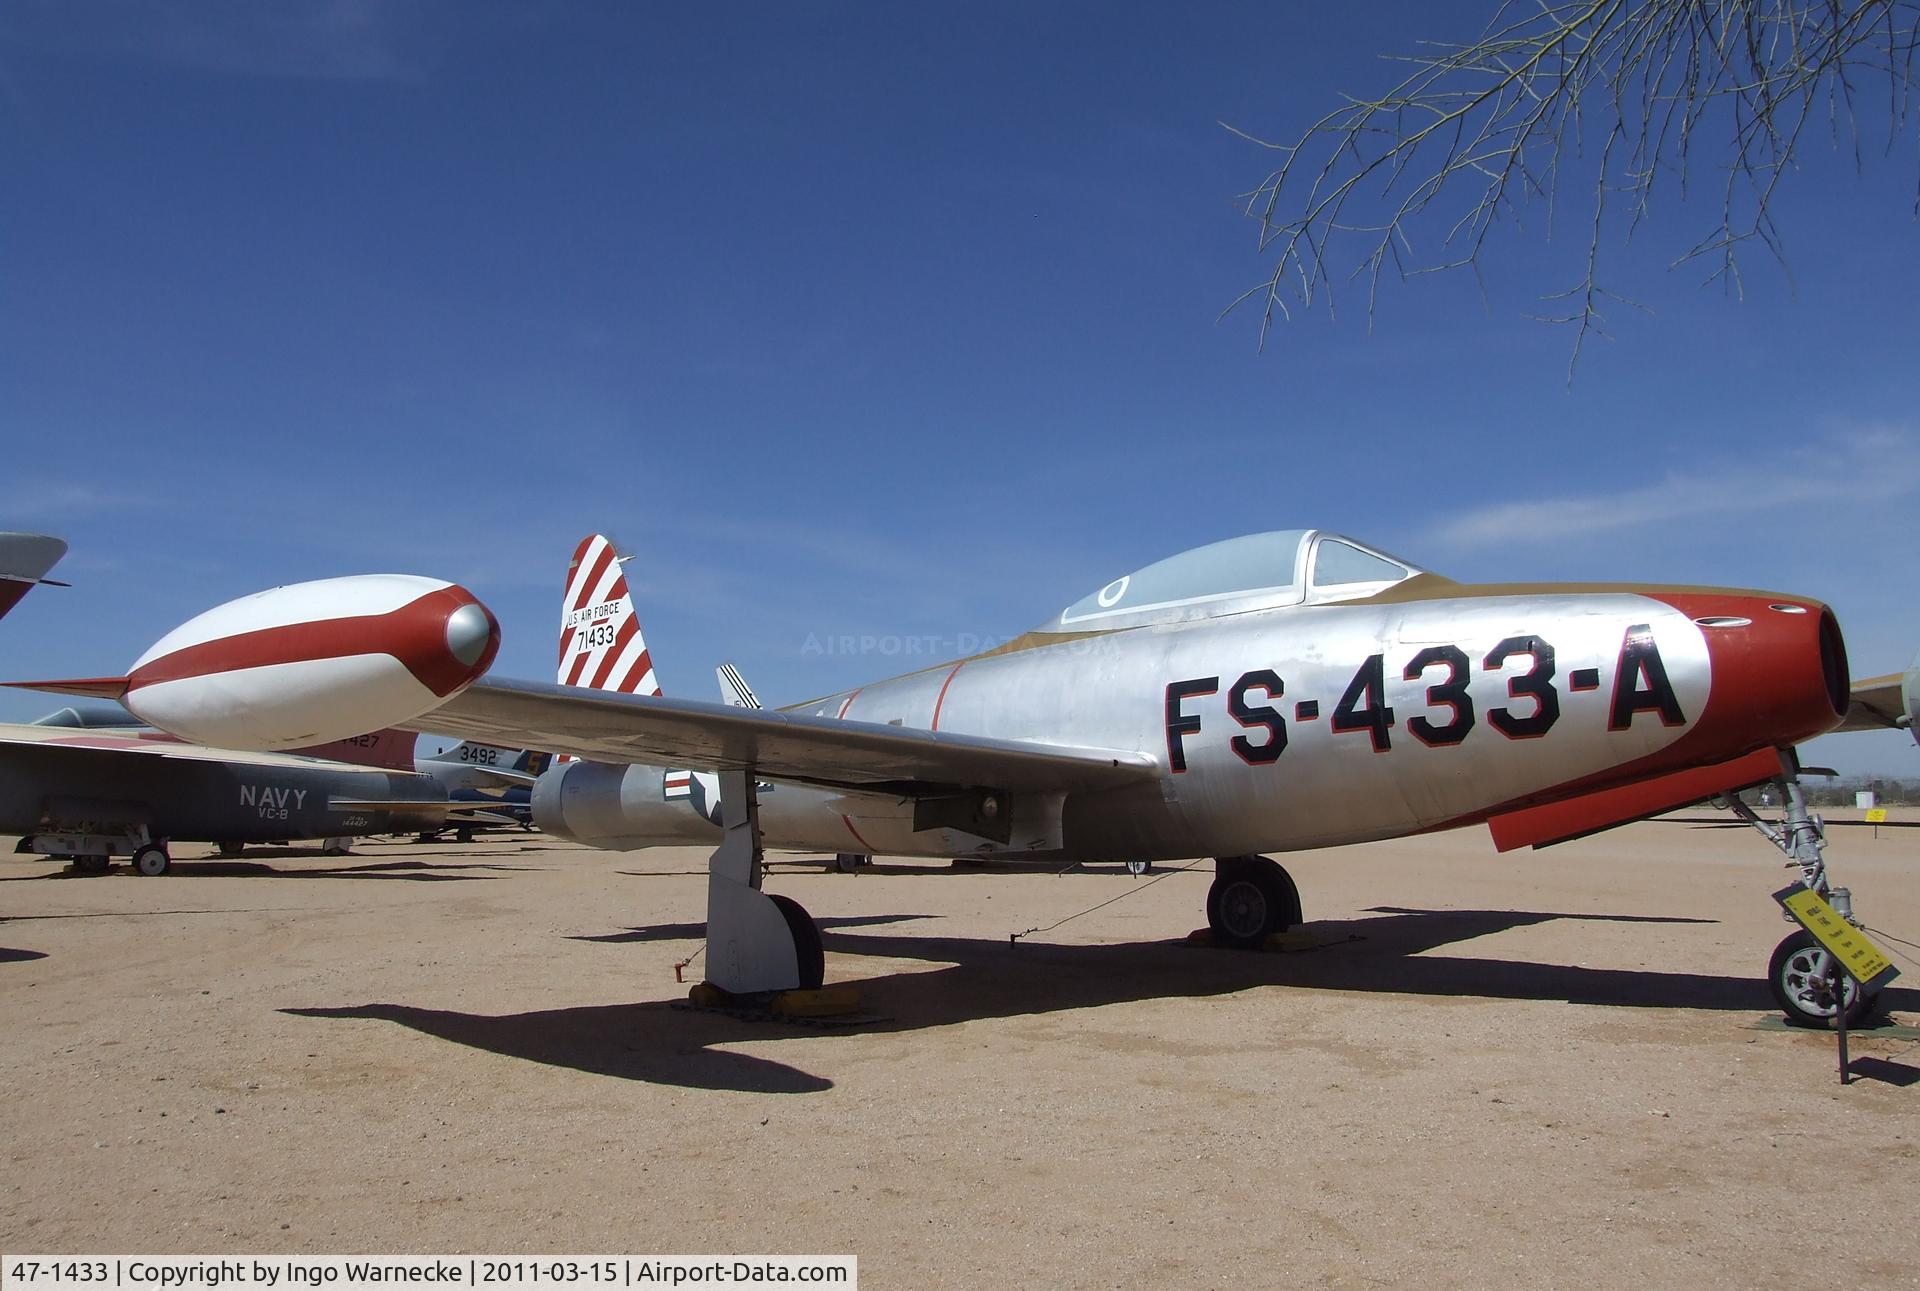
{"x":1876,"y":703}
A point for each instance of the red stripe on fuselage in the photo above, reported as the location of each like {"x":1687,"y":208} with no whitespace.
{"x":864,"y":844}
{"x":941,"y":699}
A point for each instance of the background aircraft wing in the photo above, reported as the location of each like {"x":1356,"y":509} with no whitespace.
{"x":136,"y":743}
{"x":25,"y":559}
{"x":498,"y":809}
{"x":1876,"y":703}
{"x":606,"y":726}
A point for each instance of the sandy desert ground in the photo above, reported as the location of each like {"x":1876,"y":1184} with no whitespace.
{"x":1540,"y":1069}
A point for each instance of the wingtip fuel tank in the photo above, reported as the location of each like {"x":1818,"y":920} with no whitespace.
{"x":311,"y":662}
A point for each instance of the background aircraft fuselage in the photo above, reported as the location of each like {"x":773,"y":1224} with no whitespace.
{"x":71,"y":782}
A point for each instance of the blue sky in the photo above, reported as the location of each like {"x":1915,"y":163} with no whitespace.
{"x":852,"y":321}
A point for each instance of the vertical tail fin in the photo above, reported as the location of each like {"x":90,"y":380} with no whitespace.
{"x":600,"y":643}
{"x":734,"y":689}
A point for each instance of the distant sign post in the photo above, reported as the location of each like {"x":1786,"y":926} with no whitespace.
{"x":1849,"y":953}
{"x":1876,"y":816}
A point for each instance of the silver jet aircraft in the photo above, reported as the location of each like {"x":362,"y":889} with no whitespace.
{"x":1270,"y":693}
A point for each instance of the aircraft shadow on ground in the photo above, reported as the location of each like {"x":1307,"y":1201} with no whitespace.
{"x":697,"y":931}
{"x":413,"y":871}
{"x":403,"y":871}
{"x":930,"y":870}
{"x":982,"y":978}
{"x":13,"y":955}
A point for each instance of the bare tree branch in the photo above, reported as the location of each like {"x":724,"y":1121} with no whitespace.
{"x":1619,"y":91}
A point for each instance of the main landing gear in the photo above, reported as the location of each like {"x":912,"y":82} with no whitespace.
{"x":756,"y":943}
{"x":1251,"y":899}
{"x":1801,"y":974}
{"x":152,"y":860}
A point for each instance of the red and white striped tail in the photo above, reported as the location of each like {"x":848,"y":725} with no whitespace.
{"x":600,"y":643}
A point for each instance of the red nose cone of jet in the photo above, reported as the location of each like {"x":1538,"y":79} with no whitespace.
{"x":1779,"y":670}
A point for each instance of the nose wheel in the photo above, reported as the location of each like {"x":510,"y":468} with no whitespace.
{"x":1802,"y":975}
{"x":1251,"y":899}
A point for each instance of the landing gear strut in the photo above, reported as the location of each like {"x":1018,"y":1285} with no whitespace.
{"x":1800,"y":973}
{"x":1251,"y":899}
{"x":755,"y":942}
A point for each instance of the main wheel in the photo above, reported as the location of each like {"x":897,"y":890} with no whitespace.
{"x":232,"y":849}
{"x":92,"y":864}
{"x":1800,"y":975}
{"x":848,"y":862}
{"x":152,"y":861}
{"x":807,"y":951}
{"x":1251,"y":899}
{"x":1137,"y":868}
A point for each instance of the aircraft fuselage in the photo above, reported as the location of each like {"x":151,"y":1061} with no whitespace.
{"x":1308,"y":726}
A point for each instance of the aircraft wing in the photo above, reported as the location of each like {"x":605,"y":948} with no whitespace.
{"x":608,"y":726}
{"x":25,"y":559}
{"x":1876,"y":703}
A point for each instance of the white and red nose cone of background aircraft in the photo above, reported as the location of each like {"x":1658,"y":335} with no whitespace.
{"x":311,"y":662}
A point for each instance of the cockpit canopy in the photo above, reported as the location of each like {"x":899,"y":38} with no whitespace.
{"x":1261,"y":571}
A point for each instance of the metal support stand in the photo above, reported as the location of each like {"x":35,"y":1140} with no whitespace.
{"x":1838,"y":978}
{"x":750,"y":948}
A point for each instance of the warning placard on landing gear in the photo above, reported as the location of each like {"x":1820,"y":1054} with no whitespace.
{"x":1863,"y":961}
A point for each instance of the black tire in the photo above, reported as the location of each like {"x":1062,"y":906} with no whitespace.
{"x":463,"y":835}
{"x":1251,"y":899}
{"x":807,"y":950}
{"x":848,"y":862}
{"x":152,"y":861}
{"x":92,"y":864}
{"x":1137,"y":868}
{"x":1798,"y":977}
{"x":232,"y":849}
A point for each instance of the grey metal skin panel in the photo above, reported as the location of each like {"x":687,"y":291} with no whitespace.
{"x":197,"y":800}
{"x":1326,"y":788}
{"x":609,"y":805}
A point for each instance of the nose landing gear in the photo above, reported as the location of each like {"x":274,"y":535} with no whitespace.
{"x":1801,"y":973}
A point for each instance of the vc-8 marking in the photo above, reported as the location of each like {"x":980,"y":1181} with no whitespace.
{"x":1640,"y":685}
